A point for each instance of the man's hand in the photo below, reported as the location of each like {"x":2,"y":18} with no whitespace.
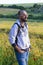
{"x":21,"y":51}
{"x":18,"y":49}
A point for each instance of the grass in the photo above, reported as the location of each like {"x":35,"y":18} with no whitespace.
{"x":7,"y":56}
{"x":8,"y":11}
{"x":36,"y":27}
{"x":6,"y":25}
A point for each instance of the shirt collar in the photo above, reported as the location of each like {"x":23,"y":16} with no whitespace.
{"x":18,"y":21}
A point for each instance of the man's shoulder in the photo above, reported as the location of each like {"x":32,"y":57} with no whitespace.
{"x":17,"y":21}
{"x":16,"y":24}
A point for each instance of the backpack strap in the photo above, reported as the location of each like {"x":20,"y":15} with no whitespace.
{"x":18,"y":27}
{"x":17,"y":31}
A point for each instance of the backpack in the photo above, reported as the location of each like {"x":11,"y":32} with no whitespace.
{"x":17,"y":33}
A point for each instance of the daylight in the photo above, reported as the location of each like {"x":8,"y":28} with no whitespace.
{"x":19,"y":1}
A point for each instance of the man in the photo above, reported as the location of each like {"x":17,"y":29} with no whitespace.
{"x":22,"y":44}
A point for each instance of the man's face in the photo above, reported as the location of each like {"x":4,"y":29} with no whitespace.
{"x":23,"y":16}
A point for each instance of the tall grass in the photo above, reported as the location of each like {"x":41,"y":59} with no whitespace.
{"x":7,"y":55}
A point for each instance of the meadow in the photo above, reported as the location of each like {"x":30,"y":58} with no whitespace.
{"x":7,"y":55}
{"x":8,"y":11}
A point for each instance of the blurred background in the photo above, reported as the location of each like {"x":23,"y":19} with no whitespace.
{"x":8,"y":16}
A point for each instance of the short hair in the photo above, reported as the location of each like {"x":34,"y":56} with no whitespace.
{"x":19,"y":12}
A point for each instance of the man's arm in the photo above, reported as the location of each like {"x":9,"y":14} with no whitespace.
{"x":17,"y":48}
{"x":12,"y":37}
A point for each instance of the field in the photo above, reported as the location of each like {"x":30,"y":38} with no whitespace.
{"x":7,"y":56}
{"x":8,"y":11}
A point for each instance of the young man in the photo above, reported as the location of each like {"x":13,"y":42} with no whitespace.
{"x":19,"y":39}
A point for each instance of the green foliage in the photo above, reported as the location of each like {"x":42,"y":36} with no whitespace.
{"x":10,"y":11}
{"x":36,"y":6}
{"x":7,"y":55}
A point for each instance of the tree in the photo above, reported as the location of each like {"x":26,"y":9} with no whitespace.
{"x":36,"y":6}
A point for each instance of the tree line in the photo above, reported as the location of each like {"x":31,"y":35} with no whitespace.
{"x":35,"y":9}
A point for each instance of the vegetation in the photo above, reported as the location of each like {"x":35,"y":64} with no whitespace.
{"x":35,"y":11}
{"x":7,"y":55}
{"x":8,"y":15}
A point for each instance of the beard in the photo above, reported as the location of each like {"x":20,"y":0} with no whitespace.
{"x":24,"y":20}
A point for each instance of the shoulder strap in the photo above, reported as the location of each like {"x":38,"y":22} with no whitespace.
{"x":18,"y":27}
{"x":17,"y":31}
{"x":17,"y":24}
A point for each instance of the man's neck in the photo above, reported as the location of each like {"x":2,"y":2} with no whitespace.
{"x":22,"y":23}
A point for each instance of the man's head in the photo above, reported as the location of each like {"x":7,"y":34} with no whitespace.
{"x":22,"y":14}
